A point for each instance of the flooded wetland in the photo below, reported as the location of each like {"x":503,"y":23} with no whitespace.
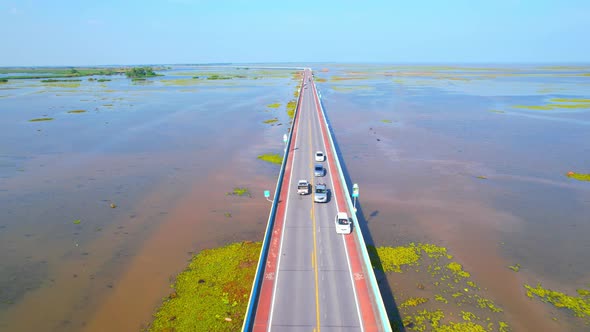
{"x":474,"y":188}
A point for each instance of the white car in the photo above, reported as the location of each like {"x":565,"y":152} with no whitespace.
{"x":319,"y":156}
{"x":343,"y":224}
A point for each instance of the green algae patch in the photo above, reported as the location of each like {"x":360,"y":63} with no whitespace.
{"x":497,"y":111}
{"x":320,"y":80}
{"x":578,"y":176}
{"x":240,"y":191}
{"x":269,"y":121}
{"x":212,"y":293}
{"x":273,"y":158}
{"x":578,"y":305}
{"x":386,"y":121}
{"x":77,"y":222}
{"x":77,"y":111}
{"x":274,"y":105}
{"x":40,"y":119}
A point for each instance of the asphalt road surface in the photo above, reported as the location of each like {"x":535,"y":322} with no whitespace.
{"x":312,"y":284}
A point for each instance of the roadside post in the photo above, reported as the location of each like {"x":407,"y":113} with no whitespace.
{"x":267,"y":195}
{"x":355,"y":194}
{"x":285,"y":139}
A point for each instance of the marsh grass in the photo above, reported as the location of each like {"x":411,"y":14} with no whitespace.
{"x":40,"y":119}
{"x":52,"y":80}
{"x":273,"y":158}
{"x":212,"y":293}
{"x":351,"y":88}
{"x":180,"y":82}
{"x":551,"y":106}
{"x":68,"y":85}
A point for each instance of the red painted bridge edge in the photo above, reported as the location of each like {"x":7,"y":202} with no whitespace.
{"x":262,"y":319}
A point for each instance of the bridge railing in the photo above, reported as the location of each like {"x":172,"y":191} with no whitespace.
{"x":258,"y":278}
{"x":367,"y":266}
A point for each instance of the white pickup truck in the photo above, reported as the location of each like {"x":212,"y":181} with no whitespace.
{"x":303,"y":187}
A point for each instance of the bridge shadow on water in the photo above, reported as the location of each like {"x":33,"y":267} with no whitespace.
{"x":386,"y":292}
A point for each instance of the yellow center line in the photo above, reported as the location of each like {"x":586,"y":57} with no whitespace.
{"x":315,"y":252}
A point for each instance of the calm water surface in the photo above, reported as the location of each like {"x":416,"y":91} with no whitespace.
{"x":167,"y":151}
{"x":419,"y":174}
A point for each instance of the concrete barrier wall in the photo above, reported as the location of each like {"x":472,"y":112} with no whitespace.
{"x":381,"y":313}
{"x":253,"y":301}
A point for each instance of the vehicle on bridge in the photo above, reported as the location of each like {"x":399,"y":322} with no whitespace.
{"x":318,"y":170}
{"x":343,"y":224}
{"x":321,"y":193}
{"x":303,"y":187}
{"x":319,"y":156}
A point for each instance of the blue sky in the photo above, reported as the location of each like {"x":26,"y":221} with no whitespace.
{"x":85,"y":32}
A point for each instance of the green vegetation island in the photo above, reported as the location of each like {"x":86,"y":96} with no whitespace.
{"x":54,"y":74}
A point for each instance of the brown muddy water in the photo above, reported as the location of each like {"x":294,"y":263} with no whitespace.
{"x":419,"y":170}
{"x":167,"y":151}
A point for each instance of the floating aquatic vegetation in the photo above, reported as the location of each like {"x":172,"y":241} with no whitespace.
{"x":414,"y":301}
{"x":77,"y":222}
{"x":273,"y":158}
{"x":76,"y":111}
{"x":240,"y":191}
{"x":273,"y":120}
{"x":386,"y":121}
{"x":450,"y":283}
{"x":40,"y":119}
{"x":578,"y":305}
{"x":212,"y":293}
{"x":578,"y":176}
{"x":274,"y":105}
{"x":458,"y":269}
{"x":291,"y":107}
{"x":515,"y":267}
{"x":497,"y":111}
{"x":569,"y":100}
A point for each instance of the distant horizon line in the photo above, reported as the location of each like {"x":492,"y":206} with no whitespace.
{"x":306,"y":64}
